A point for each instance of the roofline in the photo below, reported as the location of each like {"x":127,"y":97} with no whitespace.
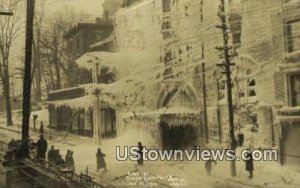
{"x":80,"y":26}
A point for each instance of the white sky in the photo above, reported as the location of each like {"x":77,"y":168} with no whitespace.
{"x":92,"y":7}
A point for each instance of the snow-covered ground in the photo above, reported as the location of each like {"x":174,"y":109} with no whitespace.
{"x":163,"y":173}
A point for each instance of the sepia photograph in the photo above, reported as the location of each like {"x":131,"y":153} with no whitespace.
{"x":149,"y":93}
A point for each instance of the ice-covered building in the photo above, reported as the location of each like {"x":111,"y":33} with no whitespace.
{"x":155,"y":86}
{"x":265,"y":35}
{"x":286,"y":50}
{"x":71,"y":109}
{"x":154,"y":82}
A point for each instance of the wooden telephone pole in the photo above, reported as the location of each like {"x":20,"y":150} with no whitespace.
{"x":204,"y":98}
{"x":27,"y":77}
{"x":227,"y":65}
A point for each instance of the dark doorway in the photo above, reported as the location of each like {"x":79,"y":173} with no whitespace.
{"x":108,"y":122}
{"x":80,"y":120}
{"x":178,"y":137}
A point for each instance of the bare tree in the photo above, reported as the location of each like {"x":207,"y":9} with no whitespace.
{"x":9,"y":31}
{"x":37,"y":65}
{"x":53,"y":45}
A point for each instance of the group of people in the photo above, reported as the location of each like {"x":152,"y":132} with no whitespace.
{"x":55,"y":158}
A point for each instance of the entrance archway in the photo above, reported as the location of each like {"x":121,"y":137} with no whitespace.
{"x":180,"y":122}
{"x":177,"y":95}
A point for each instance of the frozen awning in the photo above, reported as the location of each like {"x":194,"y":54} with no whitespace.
{"x":67,"y":93}
{"x":173,"y":116}
{"x":180,"y":120}
{"x":85,"y":102}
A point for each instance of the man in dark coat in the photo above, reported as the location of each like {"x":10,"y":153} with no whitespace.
{"x":12,"y":144}
{"x":41,"y":148}
{"x":67,"y":155}
{"x":70,"y":160}
{"x":51,"y":155}
{"x":100,"y":160}
{"x":208,"y":166}
{"x":249,"y":164}
{"x":41,"y":128}
{"x":60,"y":161}
{"x":140,"y":151}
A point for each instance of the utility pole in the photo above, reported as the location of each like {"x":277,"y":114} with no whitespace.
{"x":225,"y":48}
{"x":219,"y":115}
{"x":27,"y":77}
{"x":204,"y":98}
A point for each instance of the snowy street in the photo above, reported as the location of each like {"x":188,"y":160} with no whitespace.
{"x":168,"y":174}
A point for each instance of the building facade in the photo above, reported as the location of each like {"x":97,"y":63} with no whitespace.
{"x":166,"y":74}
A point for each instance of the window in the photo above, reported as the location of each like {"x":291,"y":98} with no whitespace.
{"x":166,"y":6}
{"x":222,"y":90}
{"x":235,"y":22}
{"x":292,"y":36}
{"x":166,"y":25}
{"x":127,"y":3}
{"x":295,"y":89}
{"x":168,"y":57}
{"x":188,"y":50}
{"x":247,"y":87}
{"x":187,"y":9}
{"x":166,"y":28}
{"x":251,"y":88}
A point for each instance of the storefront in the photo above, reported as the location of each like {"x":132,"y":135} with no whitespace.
{"x":289,"y":137}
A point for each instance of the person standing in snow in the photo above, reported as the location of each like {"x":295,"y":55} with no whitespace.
{"x":67,"y":155}
{"x":69,"y":160}
{"x":100,"y":160}
{"x":60,"y":162}
{"x":140,"y":151}
{"x":41,"y":148}
{"x":240,"y":136}
{"x":249,"y":164}
{"x":12,"y":144}
{"x":208,"y":166}
{"x":51,"y":155}
{"x":41,"y":128}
